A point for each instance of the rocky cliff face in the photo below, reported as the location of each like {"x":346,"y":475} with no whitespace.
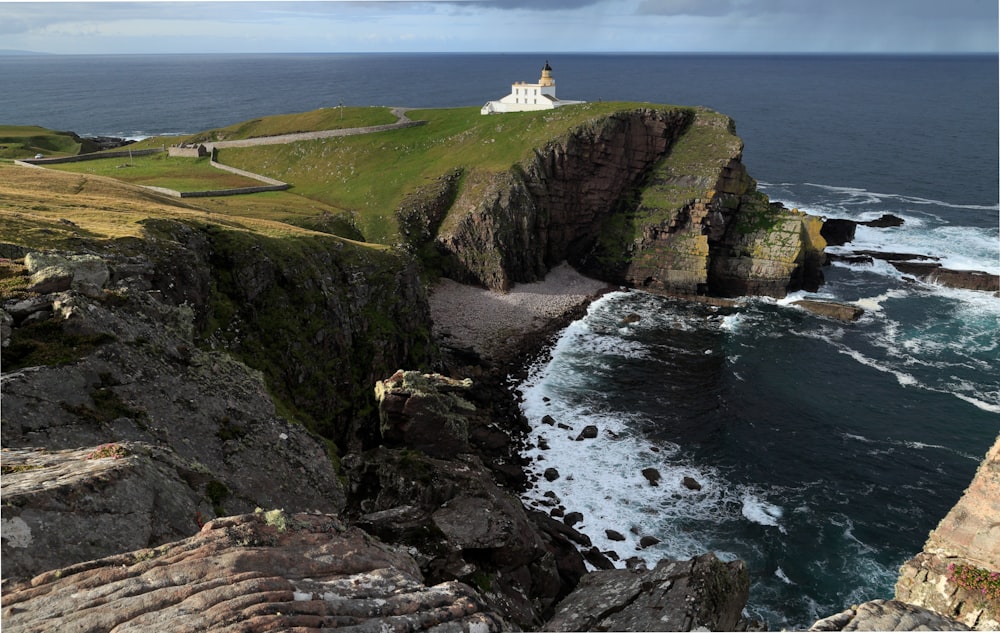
{"x":958,"y":572}
{"x":655,"y":199}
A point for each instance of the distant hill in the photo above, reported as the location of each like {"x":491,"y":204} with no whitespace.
{"x":9,"y":51}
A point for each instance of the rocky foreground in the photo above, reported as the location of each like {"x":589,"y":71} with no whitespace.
{"x":209,"y":428}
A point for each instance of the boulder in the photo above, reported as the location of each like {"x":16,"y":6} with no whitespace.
{"x":838,"y":232}
{"x":614,"y":535}
{"x":691,"y":483}
{"x":887,"y":615}
{"x":702,"y":593}
{"x":652,"y":476}
{"x":267,"y":571}
{"x":589,"y":432}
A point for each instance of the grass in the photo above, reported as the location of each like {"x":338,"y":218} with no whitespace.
{"x":323,"y":119}
{"x":161,"y":170}
{"x":370,"y":175}
{"x":24,"y":141}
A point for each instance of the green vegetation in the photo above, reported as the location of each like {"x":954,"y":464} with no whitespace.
{"x":160,"y":170}
{"x":25,"y":141}
{"x":982,"y":584}
{"x":336,"y":118}
{"x":105,"y":451}
{"x":370,"y":175}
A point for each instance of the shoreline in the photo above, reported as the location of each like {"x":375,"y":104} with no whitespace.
{"x":480,"y":326}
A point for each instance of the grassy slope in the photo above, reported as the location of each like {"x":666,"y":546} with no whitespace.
{"x":24,"y":141}
{"x":369,"y":175}
{"x":160,"y":170}
{"x":350,"y":186}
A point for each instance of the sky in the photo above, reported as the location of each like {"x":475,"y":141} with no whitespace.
{"x":724,"y":26}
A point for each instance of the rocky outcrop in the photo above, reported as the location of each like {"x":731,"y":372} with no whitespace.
{"x":831,"y":309}
{"x":443,"y":503}
{"x":958,"y":572}
{"x":700,"y":594}
{"x":652,"y":198}
{"x":267,"y":571}
{"x":935,"y":273}
{"x":887,"y":615}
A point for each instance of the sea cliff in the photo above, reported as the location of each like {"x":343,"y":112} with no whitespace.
{"x":211,"y":421}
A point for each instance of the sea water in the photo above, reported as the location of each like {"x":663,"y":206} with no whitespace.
{"x":825,"y":451}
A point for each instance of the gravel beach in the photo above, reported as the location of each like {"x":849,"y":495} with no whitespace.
{"x":495,"y":324}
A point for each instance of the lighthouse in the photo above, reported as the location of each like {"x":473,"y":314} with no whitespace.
{"x":525,"y":97}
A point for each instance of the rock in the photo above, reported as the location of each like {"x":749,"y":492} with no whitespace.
{"x":543,"y":444}
{"x":572,"y":518}
{"x":144,"y":380}
{"x":838,"y":232}
{"x":597,"y":558}
{"x":934,"y":273}
{"x":631,"y":318}
{"x":614,"y":535}
{"x":691,"y":483}
{"x":426,"y":412}
{"x":702,"y":593}
{"x":831,"y":309}
{"x":887,"y":220}
{"x":652,"y":476}
{"x":68,"y":506}
{"x":56,"y":273}
{"x":6,"y":327}
{"x":477,"y":532}
{"x":20,"y":310}
{"x":268,"y":571}
{"x":969,"y":536}
{"x":589,"y":432}
{"x":551,"y":474}
{"x":887,"y":615}
{"x":648,"y":541}
{"x":635,"y":563}
{"x":548,"y":419}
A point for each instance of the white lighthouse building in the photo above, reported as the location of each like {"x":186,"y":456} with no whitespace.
{"x":524,"y":96}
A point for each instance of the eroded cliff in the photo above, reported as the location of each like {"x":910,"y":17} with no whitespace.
{"x":650,"y":198}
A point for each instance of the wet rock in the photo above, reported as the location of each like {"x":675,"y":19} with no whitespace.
{"x":838,"y":232}
{"x":652,"y":476}
{"x":261,"y":572}
{"x":614,"y":535}
{"x":572,"y":518}
{"x":551,"y":474}
{"x":934,"y":273}
{"x":702,"y":593}
{"x":648,"y":541}
{"x":596,"y":558}
{"x":548,"y":419}
{"x":887,"y":615}
{"x":887,"y":220}
{"x":631,"y":318}
{"x":831,"y":309}
{"x":691,"y":483}
{"x":589,"y":432}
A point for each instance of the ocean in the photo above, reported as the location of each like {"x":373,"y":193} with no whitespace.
{"x":825,"y":451}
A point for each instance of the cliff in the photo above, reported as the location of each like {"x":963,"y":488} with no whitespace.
{"x":650,"y":198}
{"x":958,"y":572}
{"x":167,"y":366}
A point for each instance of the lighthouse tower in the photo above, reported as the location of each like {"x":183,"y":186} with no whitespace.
{"x":524,"y":96}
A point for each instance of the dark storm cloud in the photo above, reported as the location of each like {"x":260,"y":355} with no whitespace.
{"x":911,"y":9}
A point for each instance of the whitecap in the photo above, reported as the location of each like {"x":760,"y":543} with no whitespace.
{"x":762,"y":512}
{"x":780,"y":573}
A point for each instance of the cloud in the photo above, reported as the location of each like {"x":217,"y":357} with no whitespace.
{"x":704,"y":8}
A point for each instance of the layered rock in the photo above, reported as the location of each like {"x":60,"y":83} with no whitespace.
{"x":267,"y":571}
{"x":958,"y":572}
{"x":652,"y":198}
